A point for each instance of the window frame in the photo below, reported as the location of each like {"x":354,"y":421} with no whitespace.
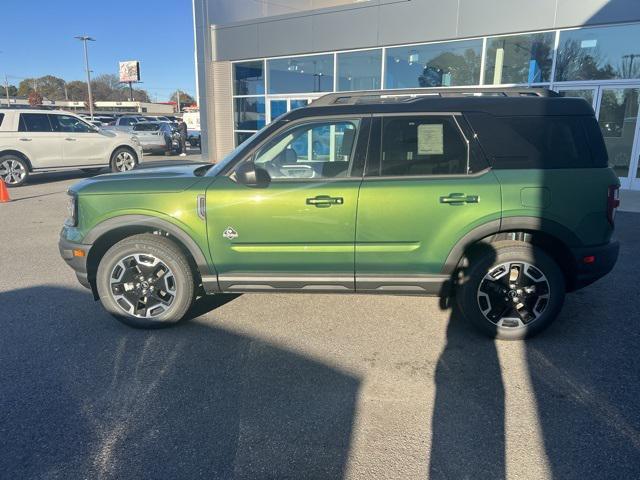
{"x":359,"y":148}
{"x":374,"y":166}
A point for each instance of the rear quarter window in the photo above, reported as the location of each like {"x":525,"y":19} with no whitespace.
{"x":1,"y":118}
{"x":535,"y":142}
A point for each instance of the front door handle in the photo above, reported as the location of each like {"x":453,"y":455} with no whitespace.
{"x":324,"y":201}
{"x":25,"y":139}
{"x":69,"y":139}
{"x":459,"y":199}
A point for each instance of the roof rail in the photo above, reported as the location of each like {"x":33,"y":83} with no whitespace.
{"x":376,"y":96}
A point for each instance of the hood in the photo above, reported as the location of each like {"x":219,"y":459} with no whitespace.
{"x":164,"y":179}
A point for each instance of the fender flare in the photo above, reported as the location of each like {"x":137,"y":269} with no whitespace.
{"x":153,"y":222}
{"x":508,"y":224}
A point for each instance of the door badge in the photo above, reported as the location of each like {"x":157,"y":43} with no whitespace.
{"x":230,"y":233}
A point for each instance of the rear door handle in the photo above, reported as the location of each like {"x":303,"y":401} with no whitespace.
{"x":25,"y":139}
{"x":68,"y":139}
{"x":324,"y":201}
{"x":459,"y":199}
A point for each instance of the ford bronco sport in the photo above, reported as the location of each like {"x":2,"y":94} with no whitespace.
{"x":501,"y":199}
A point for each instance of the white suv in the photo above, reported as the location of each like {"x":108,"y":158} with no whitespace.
{"x":40,"y":140}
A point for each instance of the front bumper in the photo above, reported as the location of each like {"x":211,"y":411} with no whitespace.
{"x":604,"y":259}
{"x":77,"y":263}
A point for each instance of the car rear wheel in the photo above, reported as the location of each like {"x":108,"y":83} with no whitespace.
{"x":511,"y":290}
{"x":145,"y":281}
{"x":14,"y":170}
{"x":123,"y":160}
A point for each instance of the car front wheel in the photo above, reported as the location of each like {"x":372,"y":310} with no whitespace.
{"x":123,"y":160}
{"x":145,"y":281}
{"x":511,"y":290}
{"x":13,"y":170}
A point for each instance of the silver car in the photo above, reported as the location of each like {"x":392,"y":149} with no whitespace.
{"x":155,"y":136}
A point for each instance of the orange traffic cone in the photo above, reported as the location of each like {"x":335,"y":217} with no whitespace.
{"x":4,"y":192}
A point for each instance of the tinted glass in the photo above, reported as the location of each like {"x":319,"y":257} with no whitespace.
{"x":599,"y":53}
{"x":428,"y":145}
{"x":241,"y":137}
{"x":315,"y":150}
{"x":128,"y":121}
{"x":249,"y":113}
{"x":435,"y":65}
{"x":278,"y":107}
{"x":533,"y":142}
{"x":519,"y":59}
{"x":1,"y":118}
{"x":66,"y":123}
{"x":248,"y":78}
{"x":359,"y":70}
{"x":35,"y":122}
{"x":146,"y":127}
{"x":301,"y":74}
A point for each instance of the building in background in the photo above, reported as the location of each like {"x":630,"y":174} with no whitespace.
{"x":258,"y":60}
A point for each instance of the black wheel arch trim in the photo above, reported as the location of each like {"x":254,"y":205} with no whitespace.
{"x":508,"y":224}
{"x":115,"y":223}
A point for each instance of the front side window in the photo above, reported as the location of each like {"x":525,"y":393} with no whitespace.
{"x":146,"y":127}
{"x":313,"y":150}
{"x":34,"y":122}
{"x":422,"y":145}
{"x":67,"y":123}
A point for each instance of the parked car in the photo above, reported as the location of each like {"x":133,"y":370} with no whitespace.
{"x":500,"y":204}
{"x":41,"y":140}
{"x":157,"y":137}
{"x":126,"y":122}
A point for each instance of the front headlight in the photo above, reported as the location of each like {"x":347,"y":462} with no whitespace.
{"x":72,"y":210}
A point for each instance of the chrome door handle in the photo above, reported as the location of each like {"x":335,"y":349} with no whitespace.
{"x":25,"y":139}
{"x":459,"y":199}
{"x":324,"y":201}
{"x":70,"y":139}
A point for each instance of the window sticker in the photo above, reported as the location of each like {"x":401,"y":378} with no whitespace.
{"x":430,"y":139}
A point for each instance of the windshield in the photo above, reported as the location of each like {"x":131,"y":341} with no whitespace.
{"x":238,"y":151}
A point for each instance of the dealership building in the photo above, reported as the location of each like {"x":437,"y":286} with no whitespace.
{"x":259,"y":59}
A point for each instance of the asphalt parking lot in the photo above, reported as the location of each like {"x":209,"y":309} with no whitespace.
{"x":305,"y":386}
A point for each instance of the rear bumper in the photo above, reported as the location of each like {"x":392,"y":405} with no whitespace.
{"x":605,"y":257}
{"x":78,"y":264}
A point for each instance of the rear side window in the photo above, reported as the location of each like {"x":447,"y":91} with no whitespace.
{"x":522,"y":142}
{"x":1,"y":118}
{"x":34,"y":122}
{"x":422,"y":145}
{"x":146,"y":127}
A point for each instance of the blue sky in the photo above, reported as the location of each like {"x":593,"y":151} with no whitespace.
{"x":36,"y":39}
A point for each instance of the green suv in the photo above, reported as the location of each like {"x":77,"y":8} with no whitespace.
{"x":502,"y":200}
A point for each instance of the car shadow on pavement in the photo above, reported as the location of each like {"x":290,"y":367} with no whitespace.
{"x":583,"y":371}
{"x":82,"y":396}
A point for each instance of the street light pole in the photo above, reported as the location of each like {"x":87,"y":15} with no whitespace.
{"x":85,"y":39}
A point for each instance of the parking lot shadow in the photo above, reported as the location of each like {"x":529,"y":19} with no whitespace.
{"x":82,"y":396}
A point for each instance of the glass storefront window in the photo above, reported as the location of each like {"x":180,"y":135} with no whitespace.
{"x":519,"y":59}
{"x":618,"y":117}
{"x":359,"y":70}
{"x":301,"y":74}
{"x":602,"y":53}
{"x":241,"y":137}
{"x":435,"y":65}
{"x":248,"y":78}
{"x":249,"y":113}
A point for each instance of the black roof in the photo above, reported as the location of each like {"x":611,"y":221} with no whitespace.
{"x":499,"y":102}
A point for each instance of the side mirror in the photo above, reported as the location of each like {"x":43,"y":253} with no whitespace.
{"x":250,"y":175}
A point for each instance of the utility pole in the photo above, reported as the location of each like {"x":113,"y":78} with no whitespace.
{"x":66,"y":93}
{"x":178,"y":98}
{"x":6,"y":89}
{"x":84,"y":39}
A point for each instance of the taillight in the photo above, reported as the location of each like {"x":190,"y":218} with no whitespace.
{"x":613,"y":202}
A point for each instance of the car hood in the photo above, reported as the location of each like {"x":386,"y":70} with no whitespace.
{"x":164,"y":179}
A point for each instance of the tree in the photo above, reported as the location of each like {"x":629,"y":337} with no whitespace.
{"x":13,"y":91}
{"x":35,"y":98}
{"x":77,"y":91}
{"x":185,"y":98}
